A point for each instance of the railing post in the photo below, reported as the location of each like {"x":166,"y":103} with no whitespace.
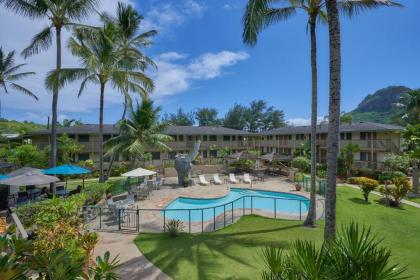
{"x":252,"y":205}
{"x":214,"y":218}
{"x":164,"y":220}
{"x":119,"y":219}
{"x":300,"y":210}
{"x":202,"y":221}
{"x":138,"y":219}
{"x":275,"y":208}
{"x":100,"y":217}
{"x":232,"y":212}
{"x":224,"y":215}
{"x":189,"y":220}
{"x":243,"y":206}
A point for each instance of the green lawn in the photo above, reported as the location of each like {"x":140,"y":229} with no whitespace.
{"x":116,"y":184}
{"x":414,"y":199}
{"x":234,"y":252}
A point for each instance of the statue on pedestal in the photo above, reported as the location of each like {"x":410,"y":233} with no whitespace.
{"x":183,"y":165}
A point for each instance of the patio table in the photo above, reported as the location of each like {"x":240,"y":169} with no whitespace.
{"x":62,"y":192}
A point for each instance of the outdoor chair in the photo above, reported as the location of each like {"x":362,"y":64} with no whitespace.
{"x":202,"y":180}
{"x":61,"y":191}
{"x":232,"y":179}
{"x":76,"y":191}
{"x":247,"y":179}
{"x":22,"y":198}
{"x":216,"y":179}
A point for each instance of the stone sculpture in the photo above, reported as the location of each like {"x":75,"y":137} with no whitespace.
{"x":183,"y":164}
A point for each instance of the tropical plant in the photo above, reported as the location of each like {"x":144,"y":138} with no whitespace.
{"x":9,"y":77}
{"x":207,"y":117}
{"x":141,"y":129}
{"x":397,"y":163}
{"x":102,"y":63}
{"x":69,"y":122}
{"x":13,"y":253}
{"x":366,"y":185}
{"x":347,"y":153}
{"x":68,"y":147}
{"x":355,"y":254}
{"x":411,"y":135}
{"x":28,"y":154}
{"x":409,"y":105}
{"x":179,"y":118}
{"x":397,"y":191}
{"x":174,"y":227}
{"x":61,"y":14}
{"x":301,"y":163}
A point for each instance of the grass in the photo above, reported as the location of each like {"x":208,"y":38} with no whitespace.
{"x":235,"y":252}
{"x":413,"y":199}
{"x":116,"y":184}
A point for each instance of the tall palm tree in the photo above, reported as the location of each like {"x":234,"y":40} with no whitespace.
{"x":409,"y":103}
{"x":8,"y":75}
{"x":260,"y":14}
{"x":61,"y":14}
{"x":102,"y":64}
{"x":141,"y":130}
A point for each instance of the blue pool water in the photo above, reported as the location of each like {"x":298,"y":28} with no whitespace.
{"x":206,"y":209}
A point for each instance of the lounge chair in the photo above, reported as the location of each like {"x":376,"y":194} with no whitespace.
{"x":202,"y":180}
{"x":216,"y":179}
{"x":232,"y":179}
{"x":247,"y":179}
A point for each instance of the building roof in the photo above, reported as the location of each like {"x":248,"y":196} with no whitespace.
{"x":344,"y":127}
{"x":170,"y":130}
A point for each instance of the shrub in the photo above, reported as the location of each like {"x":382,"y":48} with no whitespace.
{"x":389,"y":176}
{"x":298,"y":177}
{"x":301,"y":163}
{"x":174,"y":227}
{"x":366,"y":185}
{"x":242,"y":164}
{"x":119,"y":169}
{"x":396,"y":192}
{"x":397,"y":162}
{"x":366,"y":172}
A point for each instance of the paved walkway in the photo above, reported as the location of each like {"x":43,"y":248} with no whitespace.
{"x":133,"y":265}
{"x":408,"y":202}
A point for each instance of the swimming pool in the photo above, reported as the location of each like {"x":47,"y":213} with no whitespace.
{"x":199,"y":209}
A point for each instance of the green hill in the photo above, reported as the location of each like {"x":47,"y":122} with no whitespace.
{"x":379,"y":106}
{"x":12,"y":126}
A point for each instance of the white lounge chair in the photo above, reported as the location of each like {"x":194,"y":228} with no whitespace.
{"x":203,"y":180}
{"x":216,"y":179}
{"x":247,"y":179}
{"x":232,"y":179}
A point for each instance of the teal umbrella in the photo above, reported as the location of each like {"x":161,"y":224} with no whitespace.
{"x":66,"y":170}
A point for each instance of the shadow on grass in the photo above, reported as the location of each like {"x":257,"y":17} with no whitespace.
{"x":360,"y":201}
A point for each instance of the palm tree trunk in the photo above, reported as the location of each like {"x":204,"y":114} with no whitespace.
{"x":53,"y":159}
{"x":334,"y":119}
{"x":310,"y":219}
{"x":101,"y":133}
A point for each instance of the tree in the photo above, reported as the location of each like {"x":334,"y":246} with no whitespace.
{"x":61,"y":14}
{"x":347,"y":153}
{"x":411,"y":135}
{"x":260,"y":14}
{"x":139,"y":131}
{"x":236,"y":117}
{"x":68,"y":147}
{"x":179,"y":118}
{"x":346,"y":118}
{"x":260,"y":118}
{"x":8,"y":75}
{"x":409,"y":105}
{"x":69,"y":122}
{"x":28,"y":155}
{"x":102,"y":63}
{"x":130,"y":40}
{"x":207,"y":117}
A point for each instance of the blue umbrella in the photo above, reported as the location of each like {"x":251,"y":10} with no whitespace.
{"x":67,"y":169}
{"x":2,"y":176}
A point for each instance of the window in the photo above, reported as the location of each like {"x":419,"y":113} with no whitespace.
{"x":341,"y":136}
{"x":84,"y":138}
{"x":72,"y":136}
{"x":226,"y":138}
{"x":233,"y":138}
{"x":173,"y":137}
{"x":106,"y":137}
{"x":300,"y":136}
{"x":155,"y":155}
{"x":180,"y":138}
{"x":363,"y":135}
{"x":204,"y":137}
{"x":172,"y":154}
{"x":205,"y":155}
{"x":84,"y":156}
{"x":213,"y":137}
{"x":240,"y":138}
{"x":348,"y":135}
{"x":363,"y":156}
{"x":213,"y":153}
{"x":190,"y":138}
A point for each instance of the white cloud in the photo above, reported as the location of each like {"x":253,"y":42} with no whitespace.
{"x":302,"y":121}
{"x":229,"y":7}
{"x":172,"y":78}
{"x":172,"y":56}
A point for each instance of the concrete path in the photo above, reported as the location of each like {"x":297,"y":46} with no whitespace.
{"x":132,"y":264}
{"x":408,"y":202}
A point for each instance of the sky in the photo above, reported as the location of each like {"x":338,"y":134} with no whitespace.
{"x":202,"y":61}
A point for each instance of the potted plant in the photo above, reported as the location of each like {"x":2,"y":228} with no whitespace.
{"x":298,"y":187}
{"x":186,"y":181}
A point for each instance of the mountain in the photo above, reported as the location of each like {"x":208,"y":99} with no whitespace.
{"x":379,"y":106}
{"x":12,"y":126}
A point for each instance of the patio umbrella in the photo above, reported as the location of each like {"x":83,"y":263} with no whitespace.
{"x":2,"y":176}
{"x":275,"y":157}
{"x":29,"y":179}
{"x":24,"y":170}
{"x":139,"y":172}
{"x":66,"y":170}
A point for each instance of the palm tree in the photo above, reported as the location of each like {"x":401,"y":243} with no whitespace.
{"x":139,"y":131}
{"x":8,"y":75}
{"x":409,"y":103}
{"x":102,"y":63}
{"x":260,"y":14}
{"x":61,"y":14}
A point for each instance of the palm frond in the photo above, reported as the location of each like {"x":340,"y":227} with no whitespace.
{"x":59,"y":78}
{"x":18,"y":76}
{"x":352,"y":8}
{"x":25,"y":8}
{"x":12,"y":69}
{"x":23,"y":90}
{"x":40,"y":42}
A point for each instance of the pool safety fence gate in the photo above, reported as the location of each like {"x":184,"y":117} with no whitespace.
{"x":197,"y":220}
{"x":321,"y":184}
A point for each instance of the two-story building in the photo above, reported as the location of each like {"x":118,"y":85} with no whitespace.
{"x":374,"y":140}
